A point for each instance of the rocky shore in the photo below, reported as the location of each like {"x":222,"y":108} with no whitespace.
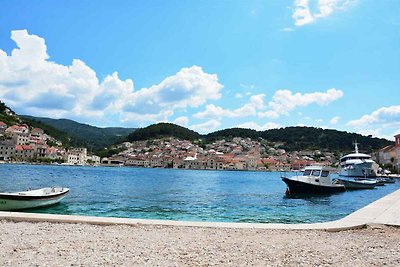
{"x":58,"y":244}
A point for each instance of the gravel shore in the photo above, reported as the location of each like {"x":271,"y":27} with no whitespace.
{"x":57,"y":244}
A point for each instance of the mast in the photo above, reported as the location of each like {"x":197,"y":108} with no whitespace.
{"x":356,"y":146}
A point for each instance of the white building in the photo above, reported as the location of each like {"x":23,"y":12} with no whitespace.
{"x":76,"y":156}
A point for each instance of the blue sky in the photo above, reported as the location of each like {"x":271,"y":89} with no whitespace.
{"x":206,"y":65}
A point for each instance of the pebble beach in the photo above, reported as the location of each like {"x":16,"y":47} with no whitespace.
{"x":60,"y":244}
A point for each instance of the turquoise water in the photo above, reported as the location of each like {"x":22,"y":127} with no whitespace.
{"x":183,"y":194}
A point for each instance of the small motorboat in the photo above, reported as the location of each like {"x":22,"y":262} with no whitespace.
{"x":352,"y":184}
{"x":386,"y":180}
{"x":314,"y":180}
{"x":32,"y":198}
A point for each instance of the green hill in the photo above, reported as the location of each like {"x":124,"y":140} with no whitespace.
{"x":65,"y":138}
{"x":94,"y":138}
{"x":160,"y":130}
{"x":232,"y":132}
{"x":305,"y":138}
{"x":8,"y":116}
{"x":293,"y":138}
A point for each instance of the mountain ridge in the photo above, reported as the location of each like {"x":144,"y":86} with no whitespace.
{"x":93,"y":137}
{"x":292,"y":138}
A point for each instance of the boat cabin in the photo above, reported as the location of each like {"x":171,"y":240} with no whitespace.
{"x":317,"y":173}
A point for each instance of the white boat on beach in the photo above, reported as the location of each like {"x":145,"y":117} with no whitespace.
{"x":358,"y":165}
{"x":32,"y":198}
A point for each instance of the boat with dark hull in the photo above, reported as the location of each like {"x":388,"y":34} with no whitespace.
{"x":353,"y":184}
{"x":314,"y":180}
{"x":32,"y":198}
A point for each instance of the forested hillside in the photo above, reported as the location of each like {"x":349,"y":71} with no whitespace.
{"x":293,"y":138}
{"x":160,"y":130}
{"x":94,"y":138}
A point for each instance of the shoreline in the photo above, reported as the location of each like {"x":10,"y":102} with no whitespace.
{"x":140,"y":167}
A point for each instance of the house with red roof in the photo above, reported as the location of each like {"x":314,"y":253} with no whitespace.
{"x":24,"y":152}
{"x":18,"y":133}
{"x":391,"y":154}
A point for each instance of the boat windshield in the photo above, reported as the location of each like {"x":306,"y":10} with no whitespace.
{"x":316,"y":172}
{"x":307,"y":172}
{"x":325,"y":173}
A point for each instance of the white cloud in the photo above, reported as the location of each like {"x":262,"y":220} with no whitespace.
{"x":285,"y":101}
{"x":247,"y":86}
{"x":287,"y":29}
{"x":238,"y":95}
{"x":190,"y":87}
{"x":334,"y":120}
{"x":206,"y":127}
{"x":182,"y":121}
{"x":249,"y":109}
{"x":384,"y":117}
{"x":303,"y":13}
{"x":383,"y":122}
{"x":32,"y":84}
{"x":255,"y":126}
{"x":269,"y":114}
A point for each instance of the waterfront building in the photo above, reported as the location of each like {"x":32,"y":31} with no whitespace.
{"x":390,"y":154}
{"x":7,"y":150}
{"x":53,"y":153}
{"x":94,"y":159}
{"x":115,"y":160}
{"x":214,"y":164}
{"x":40,"y":150}
{"x":24,"y":152}
{"x":76,"y":156}
{"x":300,"y":164}
{"x":20,"y":138}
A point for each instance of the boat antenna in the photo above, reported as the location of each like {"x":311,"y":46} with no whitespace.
{"x":356,"y":146}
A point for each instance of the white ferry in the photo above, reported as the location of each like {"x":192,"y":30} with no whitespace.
{"x":358,"y":165}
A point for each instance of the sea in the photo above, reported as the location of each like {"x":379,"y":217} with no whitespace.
{"x":183,"y":195}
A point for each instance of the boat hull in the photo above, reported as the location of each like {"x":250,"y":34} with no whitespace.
{"x":358,"y":184}
{"x":364,"y":170}
{"x":20,"y":202}
{"x":299,"y":187}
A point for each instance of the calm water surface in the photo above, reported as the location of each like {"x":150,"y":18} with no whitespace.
{"x":183,"y":194}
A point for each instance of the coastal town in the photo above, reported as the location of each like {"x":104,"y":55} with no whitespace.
{"x":22,"y":143}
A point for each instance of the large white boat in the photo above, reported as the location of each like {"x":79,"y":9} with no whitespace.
{"x":313,"y":180}
{"x":358,"y":165}
{"x":32,"y":198}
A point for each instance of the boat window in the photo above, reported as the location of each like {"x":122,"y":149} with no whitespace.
{"x":325,"y":173}
{"x":307,"y":172}
{"x":316,"y":172}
